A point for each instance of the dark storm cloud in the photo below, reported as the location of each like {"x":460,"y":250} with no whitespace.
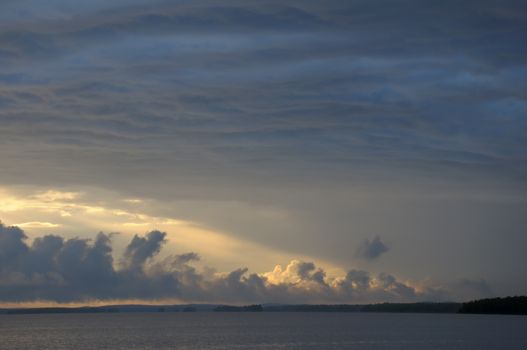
{"x":56,"y":269}
{"x":408,"y":85}
{"x":141,"y":249}
{"x":11,"y":245}
{"x":371,"y":249}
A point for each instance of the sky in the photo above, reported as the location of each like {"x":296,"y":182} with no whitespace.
{"x":278,"y":151}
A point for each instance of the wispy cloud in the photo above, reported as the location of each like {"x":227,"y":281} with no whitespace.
{"x":37,"y":224}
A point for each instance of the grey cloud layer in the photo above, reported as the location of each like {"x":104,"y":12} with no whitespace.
{"x":244,"y":88}
{"x":56,"y":269}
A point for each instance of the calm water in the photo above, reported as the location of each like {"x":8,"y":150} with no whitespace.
{"x":262,"y":331}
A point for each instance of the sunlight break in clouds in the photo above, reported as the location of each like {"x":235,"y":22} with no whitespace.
{"x":74,"y":214}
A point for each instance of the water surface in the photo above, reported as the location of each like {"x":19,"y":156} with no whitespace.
{"x":262,"y":331}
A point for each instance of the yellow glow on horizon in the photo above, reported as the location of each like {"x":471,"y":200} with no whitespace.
{"x":92,"y":303}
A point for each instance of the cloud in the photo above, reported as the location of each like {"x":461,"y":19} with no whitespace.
{"x":56,"y":269}
{"x":371,"y":249}
{"x":11,"y":245}
{"x":54,"y":196}
{"x":37,"y":224}
{"x":142,"y":249}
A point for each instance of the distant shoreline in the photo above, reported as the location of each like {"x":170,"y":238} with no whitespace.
{"x":508,"y":305}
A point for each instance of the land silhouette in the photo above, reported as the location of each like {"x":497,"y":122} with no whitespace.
{"x":516,"y":305}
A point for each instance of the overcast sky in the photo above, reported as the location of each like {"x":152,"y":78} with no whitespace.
{"x":374,"y":149}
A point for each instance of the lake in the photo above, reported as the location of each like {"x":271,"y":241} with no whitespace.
{"x":262,"y":331}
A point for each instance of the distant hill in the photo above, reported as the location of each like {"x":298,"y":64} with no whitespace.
{"x":112,"y":309}
{"x":384,"y":307}
{"x":413,"y":307}
{"x":509,"y":305}
{"x":248,"y":308}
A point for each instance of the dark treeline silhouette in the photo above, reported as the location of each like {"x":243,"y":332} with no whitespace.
{"x":384,"y":307}
{"x":509,"y":305}
{"x":313,"y":308}
{"x":248,"y":308}
{"x":412,"y":307}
